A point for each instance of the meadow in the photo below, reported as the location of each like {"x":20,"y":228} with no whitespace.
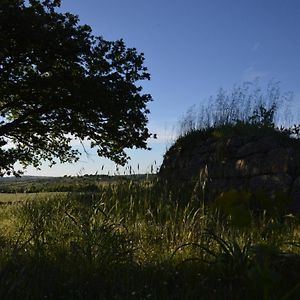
{"x":132,"y":239}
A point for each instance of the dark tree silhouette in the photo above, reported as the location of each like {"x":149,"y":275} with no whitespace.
{"x":58,"y":82}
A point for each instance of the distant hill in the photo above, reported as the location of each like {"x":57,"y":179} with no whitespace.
{"x":35,"y":184}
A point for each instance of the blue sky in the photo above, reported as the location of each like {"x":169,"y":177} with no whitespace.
{"x":192,"y":48}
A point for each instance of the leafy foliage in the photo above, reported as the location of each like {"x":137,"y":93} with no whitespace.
{"x":58,"y":81}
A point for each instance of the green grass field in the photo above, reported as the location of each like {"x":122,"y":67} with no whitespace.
{"x":131,"y":240}
{"x":13,"y":198}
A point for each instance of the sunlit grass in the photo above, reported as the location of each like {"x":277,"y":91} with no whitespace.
{"x":21,"y":197}
{"x":133,"y":240}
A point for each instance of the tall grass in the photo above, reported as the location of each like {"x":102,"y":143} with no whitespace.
{"x":133,"y":241}
{"x":246,"y":103}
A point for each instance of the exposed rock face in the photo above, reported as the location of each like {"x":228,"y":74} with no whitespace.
{"x":268,"y":164}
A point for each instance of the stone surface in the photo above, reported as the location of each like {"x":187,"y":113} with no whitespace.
{"x":268,"y":164}
{"x":260,"y":145}
{"x":295,"y":194}
{"x":271,"y":183}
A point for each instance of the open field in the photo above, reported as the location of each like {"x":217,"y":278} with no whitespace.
{"x":13,"y":198}
{"x":131,"y":240}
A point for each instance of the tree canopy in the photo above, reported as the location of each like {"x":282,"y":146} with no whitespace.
{"x":58,"y":82}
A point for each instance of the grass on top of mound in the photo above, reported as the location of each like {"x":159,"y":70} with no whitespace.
{"x":259,"y":124}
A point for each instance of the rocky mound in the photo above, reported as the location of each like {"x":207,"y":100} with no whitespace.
{"x":215,"y":161}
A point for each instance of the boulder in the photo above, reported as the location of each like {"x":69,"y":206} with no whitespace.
{"x":254,"y":162}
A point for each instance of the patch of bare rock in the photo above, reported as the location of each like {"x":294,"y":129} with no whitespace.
{"x":257,"y":163}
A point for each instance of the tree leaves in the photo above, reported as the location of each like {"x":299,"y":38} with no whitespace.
{"x":57,"y":80}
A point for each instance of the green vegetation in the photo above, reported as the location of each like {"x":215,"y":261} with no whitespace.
{"x":132,"y":237}
{"x":13,"y":198}
{"x":59,"y":82}
{"x":244,"y":111}
{"x":98,"y":237}
{"x":289,"y":136}
{"x":131,"y":240}
{"x":246,"y":105}
{"x":209,"y":137}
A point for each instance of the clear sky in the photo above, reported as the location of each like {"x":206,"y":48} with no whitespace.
{"x":192,"y":48}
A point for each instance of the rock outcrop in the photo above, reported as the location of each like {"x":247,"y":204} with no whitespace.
{"x":215,"y":163}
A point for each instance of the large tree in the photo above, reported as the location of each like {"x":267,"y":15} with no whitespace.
{"x":58,"y":82}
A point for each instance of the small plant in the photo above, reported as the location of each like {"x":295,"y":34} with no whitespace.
{"x":263,"y":117}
